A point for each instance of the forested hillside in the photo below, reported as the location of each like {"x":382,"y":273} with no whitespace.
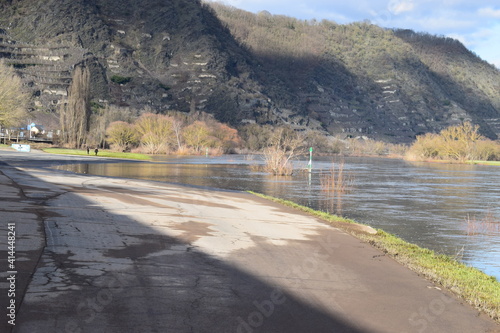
{"x":188,"y":56}
{"x":370,"y":81}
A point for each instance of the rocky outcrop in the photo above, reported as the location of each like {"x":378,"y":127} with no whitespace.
{"x":357,"y":80}
{"x":171,"y":55}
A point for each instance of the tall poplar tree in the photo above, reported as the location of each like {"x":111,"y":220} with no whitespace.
{"x":75,"y":113}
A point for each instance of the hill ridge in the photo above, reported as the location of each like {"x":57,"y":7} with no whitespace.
{"x":349,"y":80}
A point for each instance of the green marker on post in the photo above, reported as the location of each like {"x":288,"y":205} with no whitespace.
{"x":310,"y":159}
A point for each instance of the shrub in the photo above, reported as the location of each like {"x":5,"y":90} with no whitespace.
{"x":256,"y":137}
{"x":156,"y":133}
{"x":487,"y":150}
{"x":122,"y":135}
{"x":197,"y":135}
{"x":120,"y":79}
{"x":460,"y":143}
{"x":283,"y":147}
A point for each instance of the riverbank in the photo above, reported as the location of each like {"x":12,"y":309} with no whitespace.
{"x":491,"y":163}
{"x":135,"y":156}
{"x":192,"y":258}
{"x":475,"y":287}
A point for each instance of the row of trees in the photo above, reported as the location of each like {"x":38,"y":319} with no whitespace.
{"x":176,"y":133}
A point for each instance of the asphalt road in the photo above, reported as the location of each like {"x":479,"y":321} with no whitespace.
{"x":96,"y":254}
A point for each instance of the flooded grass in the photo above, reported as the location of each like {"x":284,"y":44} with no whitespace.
{"x":488,"y":225}
{"x":335,"y":184}
{"x":475,"y":287}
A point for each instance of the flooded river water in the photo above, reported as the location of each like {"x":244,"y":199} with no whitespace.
{"x":433,"y":205}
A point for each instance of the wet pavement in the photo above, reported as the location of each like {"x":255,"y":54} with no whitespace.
{"x":98,"y":254}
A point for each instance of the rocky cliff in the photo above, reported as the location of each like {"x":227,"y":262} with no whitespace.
{"x":168,"y":55}
{"x":187,"y":56}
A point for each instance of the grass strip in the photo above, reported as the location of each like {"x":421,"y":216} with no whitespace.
{"x":475,"y":287}
{"x":102,"y":153}
{"x":325,"y":216}
{"x":495,"y":163}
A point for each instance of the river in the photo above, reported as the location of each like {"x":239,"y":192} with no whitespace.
{"x":433,"y":205}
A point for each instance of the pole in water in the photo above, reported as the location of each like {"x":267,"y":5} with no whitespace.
{"x":309,"y":166}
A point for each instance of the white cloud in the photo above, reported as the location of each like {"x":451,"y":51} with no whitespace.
{"x":444,"y":23}
{"x":489,"y":12}
{"x":486,"y":43}
{"x":400,"y":6}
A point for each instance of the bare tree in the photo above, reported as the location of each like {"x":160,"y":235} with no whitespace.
{"x":75,"y":113}
{"x":102,"y":117}
{"x":459,"y":141}
{"x":177,"y":126}
{"x":13,"y":100}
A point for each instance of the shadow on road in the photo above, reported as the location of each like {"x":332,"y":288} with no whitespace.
{"x":106,"y":272}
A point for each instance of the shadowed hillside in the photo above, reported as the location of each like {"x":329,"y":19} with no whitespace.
{"x":365,"y":80}
{"x":348,"y":80}
{"x":169,"y":55}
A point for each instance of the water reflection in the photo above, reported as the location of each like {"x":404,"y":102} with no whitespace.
{"x":423,"y":203}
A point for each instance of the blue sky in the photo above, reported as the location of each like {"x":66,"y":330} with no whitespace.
{"x":476,"y":23}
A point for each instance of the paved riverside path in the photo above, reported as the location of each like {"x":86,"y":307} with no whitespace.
{"x":97,"y":254}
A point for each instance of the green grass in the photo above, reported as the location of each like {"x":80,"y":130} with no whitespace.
{"x":475,"y":287}
{"x":496,"y":163}
{"x":102,"y":153}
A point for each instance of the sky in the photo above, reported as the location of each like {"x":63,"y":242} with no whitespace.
{"x":476,"y":23}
